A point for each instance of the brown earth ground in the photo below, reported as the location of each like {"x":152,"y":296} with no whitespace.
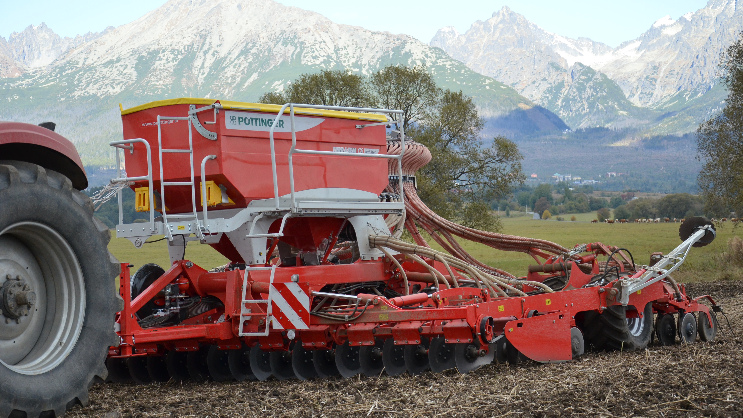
{"x":701,"y":379}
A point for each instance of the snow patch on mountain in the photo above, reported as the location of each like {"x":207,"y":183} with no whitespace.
{"x":664,"y":21}
{"x":671,"y":57}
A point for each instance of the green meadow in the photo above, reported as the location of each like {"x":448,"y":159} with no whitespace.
{"x":641,"y":239}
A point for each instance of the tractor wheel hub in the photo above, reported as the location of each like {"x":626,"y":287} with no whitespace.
{"x":17,"y":297}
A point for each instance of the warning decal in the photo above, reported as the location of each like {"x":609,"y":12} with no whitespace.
{"x":290,"y":305}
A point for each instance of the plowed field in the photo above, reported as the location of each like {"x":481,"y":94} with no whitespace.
{"x":701,"y":379}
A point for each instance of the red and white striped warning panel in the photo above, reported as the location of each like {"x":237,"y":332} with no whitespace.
{"x":290,"y":305}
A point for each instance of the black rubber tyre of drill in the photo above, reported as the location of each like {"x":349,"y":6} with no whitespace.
{"x":612,"y":330}
{"x":52,"y":245}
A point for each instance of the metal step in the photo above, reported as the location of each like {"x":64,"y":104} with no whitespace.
{"x":177,"y":183}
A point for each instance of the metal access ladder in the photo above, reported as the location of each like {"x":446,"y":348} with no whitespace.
{"x":198,"y":227}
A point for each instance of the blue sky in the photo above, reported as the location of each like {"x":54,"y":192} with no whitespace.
{"x":608,"y":21}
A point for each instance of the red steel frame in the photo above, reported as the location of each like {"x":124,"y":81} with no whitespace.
{"x":537,"y":325}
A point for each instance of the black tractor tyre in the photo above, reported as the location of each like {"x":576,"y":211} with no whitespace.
{"x":54,"y":339}
{"x":611,"y":330}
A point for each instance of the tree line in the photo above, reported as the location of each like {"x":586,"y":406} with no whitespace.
{"x":465,"y":174}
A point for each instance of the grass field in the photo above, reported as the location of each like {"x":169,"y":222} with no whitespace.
{"x":641,"y":240}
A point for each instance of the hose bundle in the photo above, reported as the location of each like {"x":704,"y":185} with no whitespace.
{"x":444,"y":231}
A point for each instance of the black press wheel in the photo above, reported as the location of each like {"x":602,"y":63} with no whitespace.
{"x":665,"y":329}
{"x":687,"y":328}
{"x":577,"y":345}
{"x":707,"y":332}
{"x":57,"y":278}
{"x":141,"y":280}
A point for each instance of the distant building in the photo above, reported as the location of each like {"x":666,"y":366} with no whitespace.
{"x":562,"y":177}
{"x":534,"y":175}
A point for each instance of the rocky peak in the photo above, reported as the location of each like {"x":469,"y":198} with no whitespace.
{"x":38,"y":46}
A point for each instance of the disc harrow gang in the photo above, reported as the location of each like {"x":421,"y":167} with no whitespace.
{"x":319,"y":283}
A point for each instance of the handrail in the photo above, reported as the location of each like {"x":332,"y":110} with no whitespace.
{"x":276,"y":235}
{"x":203,"y":188}
{"x":293,"y":150}
{"x":148,"y":177}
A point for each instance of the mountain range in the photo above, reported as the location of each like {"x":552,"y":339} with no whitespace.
{"x":665,"y":80}
{"x":233,"y":50}
{"x":527,"y":82}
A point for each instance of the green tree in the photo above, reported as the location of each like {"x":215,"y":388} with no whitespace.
{"x":603,"y":214}
{"x":329,"y":88}
{"x":622,"y":212}
{"x":541,"y":205}
{"x":720,"y":140}
{"x":462,"y":169}
{"x":410,"y":89}
{"x":596,"y":203}
{"x":678,"y":205}
{"x":616,"y":202}
{"x":642,"y":209}
{"x":273,"y":97}
{"x":544,"y":190}
{"x":464,"y":174}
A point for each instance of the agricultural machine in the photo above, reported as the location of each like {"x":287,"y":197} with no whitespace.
{"x":308,"y":204}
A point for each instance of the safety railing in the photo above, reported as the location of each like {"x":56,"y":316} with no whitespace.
{"x":128,"y":144}
{"x":294,"y":150}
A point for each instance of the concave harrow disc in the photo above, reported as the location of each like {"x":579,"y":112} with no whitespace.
{"x":239,"y":364}
{"x":469,"y":357}
{"x":118,"y":372}
{"x":138,"y":370}
{"x":347,"y":360}
{"x":416,"y":358}
{"x":176,"y":361}
{"x":281,"y":365}
{"x":304,"y":367}
{"x":688,"y":328}
{"x":218,"y":365}
{"x":157,"y":369}
{"x":260,"y":363}
{"x":370,"y":359}
{"x":441,"y":355}
{"x":393,"y":358}
{"x":707,"y":332}
{"x":196,"y":365}
{"x":324,"y":361}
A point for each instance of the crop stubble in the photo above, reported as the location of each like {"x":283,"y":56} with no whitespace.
{"x":701,"y":379}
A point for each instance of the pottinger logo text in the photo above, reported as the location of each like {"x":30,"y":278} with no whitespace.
{"x":253,"y":121}
{"x":261,"y":122}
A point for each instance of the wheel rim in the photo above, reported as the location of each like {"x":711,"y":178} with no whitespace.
{"x":636,"y":326}
{"x":46,"y":266}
